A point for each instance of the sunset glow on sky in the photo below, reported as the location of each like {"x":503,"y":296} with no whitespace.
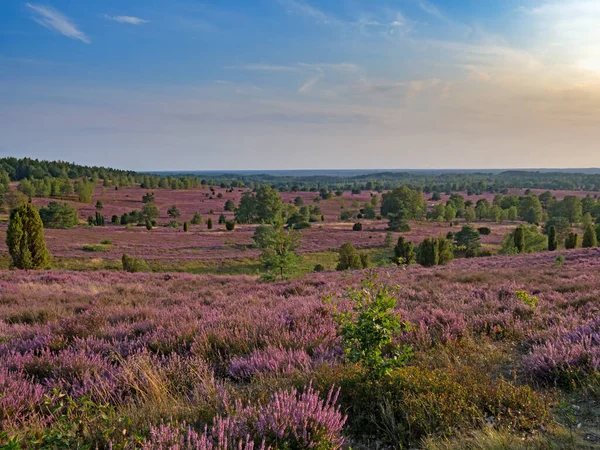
{"x":290,"y":84}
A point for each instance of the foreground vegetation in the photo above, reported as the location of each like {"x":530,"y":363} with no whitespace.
{"x":148,"y":360}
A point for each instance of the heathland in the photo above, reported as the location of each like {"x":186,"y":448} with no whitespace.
{"x":389,"y":310}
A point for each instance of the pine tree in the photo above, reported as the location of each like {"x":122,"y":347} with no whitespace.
{"x":589,"y":237}
{"x":519,"y":239}
{"x":25,"y":239}
{"x":552,"y":239}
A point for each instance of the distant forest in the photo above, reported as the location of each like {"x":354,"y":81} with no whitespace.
{"x":42,"y":173}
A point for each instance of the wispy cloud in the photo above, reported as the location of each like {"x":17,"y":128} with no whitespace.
{"x":308,"y":85}
{"x":431,"y":9}
{"x":363,"y":24}
{"x":126,"y":19}
{"x":303,"y":8}
{"x":54,"y":20}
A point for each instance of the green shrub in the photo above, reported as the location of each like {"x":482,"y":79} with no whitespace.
{"x":484,"y":231}
{"x":209,"y":223}
{"x":186,"y":227}
{"x":589,"y":237}
{"x":230,"y":225}
{"x":106,"y":242}
{"x":552,"y":239}
{"x":319,"y":268}
{"x":197,"y":219}
{"x":93,"y":248}
{"x":572,"y":241}
{"x":527,"y":299}
{"x":349,"y":258}
{"x":369,"y":329}
{"x":445,"y":251}
{"x":428,"y":254}
{"x":404,"y":252}
{"x":134,"y":265}
{"x":357,"y":227}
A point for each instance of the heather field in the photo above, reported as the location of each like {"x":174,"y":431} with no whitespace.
{"x":180,"y":361}
{"x":217,"y":250}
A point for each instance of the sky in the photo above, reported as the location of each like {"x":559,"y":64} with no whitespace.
{"x":302,"y":84}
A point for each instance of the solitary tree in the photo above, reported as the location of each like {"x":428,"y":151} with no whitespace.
{"x":197,"y":219}
{"x":209,"y":223}
{"x":589,"y":237}
{"x":173,"y":212}
{"x":280,"y":250}
{"x":552,"y":239}
{"x":25,"y":239}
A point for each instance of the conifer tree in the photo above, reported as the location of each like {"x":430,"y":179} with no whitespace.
{"x":519,"y":239}
{"x":428,"y":255}
{"x":552,"y":239}
{"x":25,"y":239}
{"x":571,"y":241}
{"x":589,"y":237}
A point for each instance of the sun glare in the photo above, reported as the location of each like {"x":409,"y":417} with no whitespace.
{"x":590,"y":65}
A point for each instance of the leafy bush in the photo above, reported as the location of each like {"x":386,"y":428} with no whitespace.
{"x":484,"y":231}
{"x":349,"y":258}
{"x":532,"y":240}
{"x":357,"y":227}
{"x":106,"y":242}
{"x":230,"y":225}
{"x":369,"y":329}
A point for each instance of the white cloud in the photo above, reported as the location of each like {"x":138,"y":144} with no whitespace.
{"x":431,"y":10}
{"x":303,"y":8}
{"x":54,"y":20}
{"x":308,"y":85}
{"x":126,"y":19}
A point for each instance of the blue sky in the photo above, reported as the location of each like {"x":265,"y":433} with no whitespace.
{"x":287,"y":84}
